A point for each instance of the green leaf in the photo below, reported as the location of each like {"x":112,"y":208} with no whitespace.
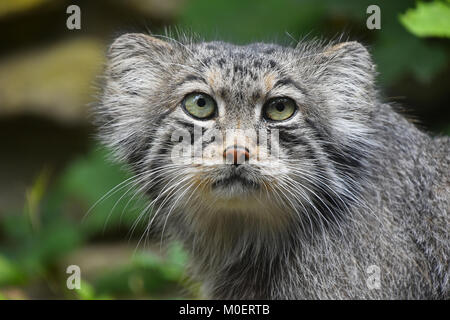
{"x":423,"y":60}
{"x":10,"y":274}
{"x":177,"y":259}
{"x":86,"y":291}
{"x":49,"y":245}
{"x":101,"y":191}
{"x":431,"y":19}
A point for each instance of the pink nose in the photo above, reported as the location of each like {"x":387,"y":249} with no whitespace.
{"x":236,"y":155}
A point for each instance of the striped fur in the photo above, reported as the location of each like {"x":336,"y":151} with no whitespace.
{"x":355,"y":184}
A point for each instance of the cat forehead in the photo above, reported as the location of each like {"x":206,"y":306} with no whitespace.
{"x":259,"y":56}
{"x":242,"y":71}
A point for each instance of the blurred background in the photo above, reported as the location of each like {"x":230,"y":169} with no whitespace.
{"x":58,"y":205}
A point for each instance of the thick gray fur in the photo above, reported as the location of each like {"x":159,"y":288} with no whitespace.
{"x":366,"y":187}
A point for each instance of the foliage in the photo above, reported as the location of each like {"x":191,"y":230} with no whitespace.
{"x":39,"y":239}
{"x":428,"y":19}
{"x":86,"y":208}
{"x":288,"y":20}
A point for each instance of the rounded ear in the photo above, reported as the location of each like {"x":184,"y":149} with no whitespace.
{"x":347,"y":48}
{"x":350,"y":58}
{"x":134,"y":51}
{"x":137,"y":64}
{"x":348,"y":69}
{"x":135,"y":44}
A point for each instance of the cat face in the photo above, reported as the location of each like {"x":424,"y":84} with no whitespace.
{"x":250,"y":129}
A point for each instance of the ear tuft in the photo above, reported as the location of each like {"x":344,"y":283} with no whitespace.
{"x":349,"y":61}
{"x":350,"y":52}
{"x":346,"y":48}
{"x":139,"y":53}
{"x":134,"y":44}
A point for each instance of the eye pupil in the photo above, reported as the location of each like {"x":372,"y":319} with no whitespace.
{"x":279,"y":109}
{"x":280,"y":106}
{"x":201,"y":102}
{"x":199,"y":105}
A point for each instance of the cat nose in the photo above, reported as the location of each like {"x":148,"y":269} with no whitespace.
{"x":236,"y":155}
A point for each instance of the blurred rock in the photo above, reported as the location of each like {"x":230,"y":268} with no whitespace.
{"x":8,"y":7}
{"x":56,"y":81}
{"x":162,"y":9}
{"x":96,"y":259}
{"x":14,"y":294}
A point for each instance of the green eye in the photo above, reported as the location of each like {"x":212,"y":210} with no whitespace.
{"x":199,"y":105}
{"x":279,"y":109}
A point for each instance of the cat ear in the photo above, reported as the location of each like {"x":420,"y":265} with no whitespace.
{"x":138,"y":43}
{"x":349,"y":60}
{"x":347,"y":69}
{"x":137,"y":64}
{"x":346,"y":47}
{"x":137,"y":50}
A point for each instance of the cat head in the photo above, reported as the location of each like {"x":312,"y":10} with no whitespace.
{"x":259,"y":130}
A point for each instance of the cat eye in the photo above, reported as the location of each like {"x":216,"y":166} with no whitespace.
{"x":199,"y":105}
{"x":279,"y":109}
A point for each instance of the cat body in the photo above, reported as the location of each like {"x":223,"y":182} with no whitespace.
{"x":354,"y":205}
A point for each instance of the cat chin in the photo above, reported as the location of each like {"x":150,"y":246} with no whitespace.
{"x":234,"y":191}
{"x":235,"y":216}
{"x":237,"y":197}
